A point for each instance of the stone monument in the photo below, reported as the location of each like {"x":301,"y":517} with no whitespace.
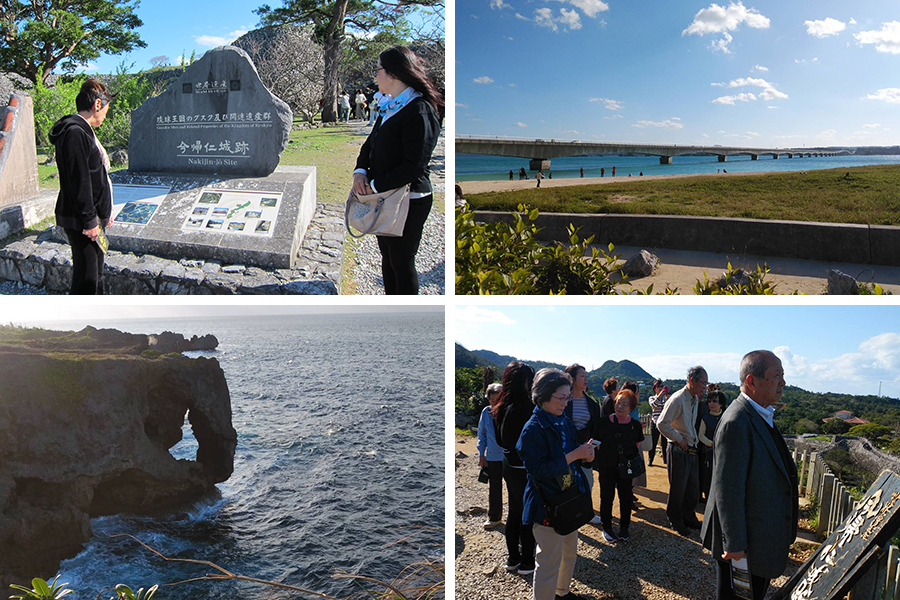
{"x":203,"y":179}
{"x":218,"y":117}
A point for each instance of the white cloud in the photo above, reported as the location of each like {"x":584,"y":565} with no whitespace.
{"x":852,"y":21}
{"x":759,"y":68}
{"x":664,"y":124}
{"x":614,"y":117}
{"x":889,"y":95}
{"x":887,"y":39}
{"x":499,"y":4}
{"x":802,"y":61}
{"x":521,"y":124}
{"x":523,"y":17}
{"x":772,"y":107}
{"x":570,"y":19}
{"x":590,"y":7}
{"x":872,"y":125}
{"x":461,"y":105}
{"x":470,"y":317}
{"x":609,"y":104}
{"x":484,"y":80}
{"x":513,"y":85}
{"x":705,"y":136}
{"x":824,"y":28}
{"x":720,"y":367}
{"x":719,"y":84}
{"x":828,"y":134}
{"x":212,"y":41}
{"x":720,"y":20}
{"x":877,"y":359}
{"x":544,"y":18}
{"x":742,"y":97}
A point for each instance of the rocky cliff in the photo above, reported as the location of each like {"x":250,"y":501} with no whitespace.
{"x":85,"y":430}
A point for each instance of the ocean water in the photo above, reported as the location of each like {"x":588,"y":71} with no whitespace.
{"x":481,"y":167}
{"x":340,"y":456}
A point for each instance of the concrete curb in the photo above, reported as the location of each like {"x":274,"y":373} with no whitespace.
{"x":830,"y":242}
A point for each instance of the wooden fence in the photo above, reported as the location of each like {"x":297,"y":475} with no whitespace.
{"x":818,"y":483}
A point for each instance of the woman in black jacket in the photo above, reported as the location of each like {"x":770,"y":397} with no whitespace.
{"x":513,"y":410}
{"x":397,"y":153}
{"x":84,"y":205}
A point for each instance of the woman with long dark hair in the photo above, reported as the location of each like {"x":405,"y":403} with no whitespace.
{"x":511,"y":412}
{"x":397,"y":153}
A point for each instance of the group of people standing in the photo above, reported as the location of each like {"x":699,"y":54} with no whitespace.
{"x":362,"y":105}
{"x":545,"y":435}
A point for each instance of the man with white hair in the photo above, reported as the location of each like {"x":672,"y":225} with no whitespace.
{"x":752,"y":511}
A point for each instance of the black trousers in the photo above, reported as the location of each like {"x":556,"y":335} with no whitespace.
{"x":610,"y":482}
{"x":495,"y":489}
{"x":684,"y":486}
{"x":724,"y":588}
{"x":655,"y":436}
{"x":516,"y":532}
{"x":87,"y":264}
{"x":398,"y":254}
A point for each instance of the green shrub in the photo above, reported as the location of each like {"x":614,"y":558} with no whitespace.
{"x":836,"y":426}
{"x":735,"y":284}
{"x":151,"y":354}
{"x":41,"y":590}
{"x":871,"y":431}
{"x":131,"y":90}
{"x":50,"y":105}
{"x":499,"y":258}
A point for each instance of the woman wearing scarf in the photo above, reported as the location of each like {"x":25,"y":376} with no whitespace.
{"x":548,"y":447}
{"x":397,"y":153}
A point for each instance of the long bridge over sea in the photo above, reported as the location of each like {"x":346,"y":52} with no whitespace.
{"x":541,"y":151}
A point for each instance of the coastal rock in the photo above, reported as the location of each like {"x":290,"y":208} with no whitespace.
{"x":85,"y":430}
{"x":840,"y":283}
{"x":641,"y":264}
{"x":739,"y":277}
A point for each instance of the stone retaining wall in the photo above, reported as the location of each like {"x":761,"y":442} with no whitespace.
{"x":46,"y":261}
{"x":862,"y":244}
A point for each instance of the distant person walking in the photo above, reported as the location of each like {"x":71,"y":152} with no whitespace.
{"x":539,"y":176}
{"x":490,"y":457}
{"x":374,"y":107}
{"x":602,"y":171}
{"x":614,"y":172}
{"x":582,"y":172}
{"x":510,"y":175}
{"x":360,"y":105}
{"x":752,"y":511}
{"x":345,"y":107}
{"x":84,"y":204}
{"x":677,"y":422}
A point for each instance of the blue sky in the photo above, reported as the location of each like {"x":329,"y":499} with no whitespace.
{"x":757,"y":73}
{"x":847,"y":349}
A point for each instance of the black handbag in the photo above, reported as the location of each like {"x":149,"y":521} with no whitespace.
{"x":629,"y":468}
{"x":569,"y":509}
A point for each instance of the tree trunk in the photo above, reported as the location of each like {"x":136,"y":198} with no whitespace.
{"x":333,"y":38}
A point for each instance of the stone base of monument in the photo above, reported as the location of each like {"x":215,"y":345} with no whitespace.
{"x":254,"y":221}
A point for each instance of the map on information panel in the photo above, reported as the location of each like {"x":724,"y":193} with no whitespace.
{"x":234,"y":211}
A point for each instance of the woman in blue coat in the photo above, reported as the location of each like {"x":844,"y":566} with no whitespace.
{"x":548,"y":446}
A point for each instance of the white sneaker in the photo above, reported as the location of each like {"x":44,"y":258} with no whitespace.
{"x":491,"y":524}
{"x":596,"y":521}
{"x":609,"y":537}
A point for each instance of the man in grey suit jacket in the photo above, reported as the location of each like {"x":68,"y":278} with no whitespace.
{"x":753,"y":504}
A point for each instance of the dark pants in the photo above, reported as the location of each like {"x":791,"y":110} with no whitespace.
{"x":87,"y":264}
{"x":610,"y":482}
{"x":724,"y":589}
{"x":398,"y":254}
{"x":684,"y":486}
{"x":495,"y":489}
{"x":655,"y":435}
{"x":516,"y":479}
{"x":706,"y":470}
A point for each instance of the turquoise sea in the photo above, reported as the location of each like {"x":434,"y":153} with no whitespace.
{"x":480,"y":167}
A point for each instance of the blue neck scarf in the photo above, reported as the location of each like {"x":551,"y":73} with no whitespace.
{"x":391,"y":106}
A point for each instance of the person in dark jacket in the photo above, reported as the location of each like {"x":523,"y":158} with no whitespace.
{"x":511,"y":413}
{"x":84,"y":205}
{"x":397,"y":153}
{"x":549,"y":446}
{"x":620,"y":437}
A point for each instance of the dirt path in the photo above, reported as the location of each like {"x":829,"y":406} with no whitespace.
{"x":655,"y":564}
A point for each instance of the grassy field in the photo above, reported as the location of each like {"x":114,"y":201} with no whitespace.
{"x":865,"y":195}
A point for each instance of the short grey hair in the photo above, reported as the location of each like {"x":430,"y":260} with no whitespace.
{"x":756,"y":363}
{"x":546,"y":382}
{"x":492,"y":389}
{"x":696,"y":372}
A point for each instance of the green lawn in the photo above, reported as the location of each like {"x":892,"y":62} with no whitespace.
{"x":865,"y":195}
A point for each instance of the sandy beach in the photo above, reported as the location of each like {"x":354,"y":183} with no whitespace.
{"x":500,"y":185}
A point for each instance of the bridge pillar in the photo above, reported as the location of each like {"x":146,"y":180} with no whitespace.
{"x":790,"y":155}
{"x":722,"y":158}
{"x":539,"y":164}
{"x":665,"y":160}
{"x":774,"y":157}
{"x":754,"y":156}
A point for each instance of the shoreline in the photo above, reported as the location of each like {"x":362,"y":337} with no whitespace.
{"x":500,"y":185}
